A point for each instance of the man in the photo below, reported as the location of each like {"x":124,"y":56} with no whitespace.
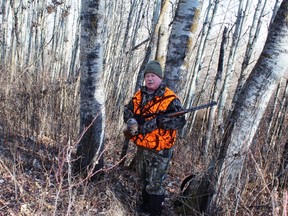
{"x":154,"y":136}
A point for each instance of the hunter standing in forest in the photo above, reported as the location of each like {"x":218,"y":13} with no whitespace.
{"x":154,"y":136}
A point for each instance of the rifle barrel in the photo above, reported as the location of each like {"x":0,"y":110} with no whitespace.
{"x":202,"y":106}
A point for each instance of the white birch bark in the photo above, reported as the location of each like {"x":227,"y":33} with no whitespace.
{"x":280,"y":118}
{"x":92,"y":109}
{"x":201,"y":50}
{"x":275,"y":9}
{"x":257,"y":91}
{"x":252,"y":40}
{"x":215,"y":93}
{"x":198,"y":61}
{"x":3,"y":33}
{"x":272,"y":116}
{"x":129,"y":42}
{"x":233,"y":54}
{"x":180,"y":42}
{"x":27,"y":33}
{"x":12,"y":53}
{"x":163,"y":31}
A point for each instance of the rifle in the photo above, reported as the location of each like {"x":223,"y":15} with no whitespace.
{"x":160,"y":114}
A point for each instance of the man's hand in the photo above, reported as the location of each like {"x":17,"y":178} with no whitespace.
{"x":132,"y":126}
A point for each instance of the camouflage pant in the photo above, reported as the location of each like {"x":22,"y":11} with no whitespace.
{"x":152,"y":168}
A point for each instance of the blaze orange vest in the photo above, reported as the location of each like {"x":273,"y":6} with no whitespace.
{"x":158,"y":139}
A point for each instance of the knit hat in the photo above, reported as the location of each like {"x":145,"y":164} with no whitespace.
{"x":153,"y":67}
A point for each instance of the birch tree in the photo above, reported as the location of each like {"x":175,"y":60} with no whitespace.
{"x":250,"y":107}
{"x":163,"y":31}
{"x":212,"y":9}
{"x":276,"y":116}
{"x":92,"y":109}
{"x":252,"y":40}
{"x":282,"y":172}
{"x":238,"y":29}
{"x":180,"y":43}
{"x":215,"y":92}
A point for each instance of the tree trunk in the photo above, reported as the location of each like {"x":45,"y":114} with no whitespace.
{"x":215,"y":94}
{"x":163,"y":31}
{"x":282,"y":172}
{"x":231,"y":61}
{"x":92,"y":109}
{"x":257,"y":91}
{"x":198,"y":60}
{"x":180,"y":43}
{"x":252,"y":40}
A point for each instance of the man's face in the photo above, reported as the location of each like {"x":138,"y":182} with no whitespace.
{"x":152,"y":81}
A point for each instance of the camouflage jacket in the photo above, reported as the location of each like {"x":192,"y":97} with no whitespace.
{"x":173,"y":123}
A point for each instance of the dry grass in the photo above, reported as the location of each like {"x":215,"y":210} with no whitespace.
{"x":40,"y":182}
{"x":38,"y":135}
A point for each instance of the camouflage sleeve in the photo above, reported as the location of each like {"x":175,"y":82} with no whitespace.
{"x":172,"y":123}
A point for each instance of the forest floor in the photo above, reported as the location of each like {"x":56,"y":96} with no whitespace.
{"x":35,"y":179}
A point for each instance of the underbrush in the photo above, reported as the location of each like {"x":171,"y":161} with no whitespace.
{"x":38,"y":137}
{"x":40,"y":182}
